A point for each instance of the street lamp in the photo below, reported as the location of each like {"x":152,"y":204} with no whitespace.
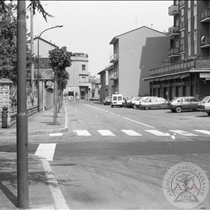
{"x":58,"y":26}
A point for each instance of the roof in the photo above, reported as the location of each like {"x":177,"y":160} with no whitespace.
{"x":107,"y":68}
{"x":44,"y":40}
{"x":117,"y":37}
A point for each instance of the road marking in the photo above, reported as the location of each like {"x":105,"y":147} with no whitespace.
{"x":184,"y":133}
{"x":82,"y":132}
{"x":203,"y":131}
{"x":138,"y":122}
{"x":56,"y":134}
{"x":46,"y":150}
{"x":158,"y":133}
{"x":131,"y":133}
{"x":106,"y":133}
{"x":60,"y":202}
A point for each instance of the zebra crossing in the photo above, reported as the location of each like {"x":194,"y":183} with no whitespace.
{"x":132,"y":133}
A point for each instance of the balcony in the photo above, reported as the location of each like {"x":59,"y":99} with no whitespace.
{"x":182,"y":4}
{"x":173,"y":10}
{"x":173,"y":31}
{"x":182,"y":26}
{"x":174,"y":52}
{"x":205,"y":42}
{"x":180,"y":67}
{"x":114,"y":76}
{"x":182,"y":49}
{"x":113,"y":58}
{"x":205,"y":16}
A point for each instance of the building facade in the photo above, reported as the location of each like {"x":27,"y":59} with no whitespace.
{"x":78,"y":84}
{"x":188,"y":70}
{"x":134,"y":53}
{"x":107,"y":78}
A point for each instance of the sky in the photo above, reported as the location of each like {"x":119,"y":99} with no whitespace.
{"x":89,"y":26}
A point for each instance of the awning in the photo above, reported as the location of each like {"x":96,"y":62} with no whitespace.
{"x":184,"y":75}
{"x":176,"y":76}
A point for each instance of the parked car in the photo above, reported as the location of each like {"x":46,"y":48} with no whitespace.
{"x":204,"y":105}
{"x":127,"y":102}
{"x":107,"y":100}
{"x":125,"y":98}
{"x":133,"y":100}
{"x":154,"y":103}
{"x":138,"y":102}
{"x":183,"y":103}
{"x":117,"y":100}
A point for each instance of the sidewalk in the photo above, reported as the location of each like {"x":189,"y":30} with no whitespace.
{"x":42,"y":123}
{"x":44,"y":192}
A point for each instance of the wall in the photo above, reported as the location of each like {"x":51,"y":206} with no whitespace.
{"x":133,"y":47}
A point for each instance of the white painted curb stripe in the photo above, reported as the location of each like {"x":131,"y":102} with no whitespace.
{"x":46,"y":150}
{"x":203,"y":131}
{"x":82,"y":132}
{"x":106,"y":133}
{"x":184,"y":133}
{"x":131,"y":133}
{"x":60,"y":202}
{"x":158,"y":133}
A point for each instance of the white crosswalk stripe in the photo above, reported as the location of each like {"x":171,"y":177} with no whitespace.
{"x":82,"y":132}
{"x":131,"y":133}
{"x":203,"y":131}
{"x":55,"y":134}
{"x":158,"y":133}
{"x":184,"y":133}
{"x":106,"y":133}
{"x":46,"y":150}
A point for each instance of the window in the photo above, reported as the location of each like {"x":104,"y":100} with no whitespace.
{"x":83,"y":67}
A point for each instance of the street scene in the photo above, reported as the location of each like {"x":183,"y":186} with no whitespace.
{"x":104,"y":105}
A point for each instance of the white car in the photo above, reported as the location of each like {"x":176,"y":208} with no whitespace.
{"x":154,"y":103}
{"x":138,"y":102}
{"x":204,"y":105}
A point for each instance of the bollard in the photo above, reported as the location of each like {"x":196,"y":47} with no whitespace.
{"x":4,"y":117}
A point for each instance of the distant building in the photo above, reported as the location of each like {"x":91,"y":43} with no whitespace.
{"x":95,"y":87}
{"x":107,"y":77}
{"x":78,"y":84}
{"x":135,"y":52}
{"x":188,"y":70}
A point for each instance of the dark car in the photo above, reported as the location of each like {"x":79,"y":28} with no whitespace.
{"x":108,"y":100}
{"x":183,"y":103}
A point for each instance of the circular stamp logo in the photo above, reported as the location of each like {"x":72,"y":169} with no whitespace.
{"x":185,"y":185}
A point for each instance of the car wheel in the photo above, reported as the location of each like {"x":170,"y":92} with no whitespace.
{"x":111,"y":106}
{"x":208,"y":113}
{"x":178,"y":109}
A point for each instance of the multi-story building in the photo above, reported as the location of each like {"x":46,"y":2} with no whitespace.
{"x":188,"y":70}
{"x":78,"y":84}
{"x":135,"y":52}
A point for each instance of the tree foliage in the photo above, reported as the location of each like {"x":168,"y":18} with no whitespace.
{"x":60,"y":58}
{"x":8,"y":43}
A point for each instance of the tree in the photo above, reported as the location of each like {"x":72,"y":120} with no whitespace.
{"x":60,"y":58}
{"x":8,"y":43}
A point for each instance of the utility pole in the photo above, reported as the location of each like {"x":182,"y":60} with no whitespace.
{"x":32,"y":48}
{"x":22,"y":121}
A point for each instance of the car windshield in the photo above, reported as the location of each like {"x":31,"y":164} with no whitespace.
{"x":204,"y":100}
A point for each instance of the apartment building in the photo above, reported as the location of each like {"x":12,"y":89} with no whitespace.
{"x":134,"y":53}
{"x":78,"y":84}
{"x":188,"y":70}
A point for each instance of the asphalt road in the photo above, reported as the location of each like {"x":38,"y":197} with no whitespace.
{"x":116,"y":158}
